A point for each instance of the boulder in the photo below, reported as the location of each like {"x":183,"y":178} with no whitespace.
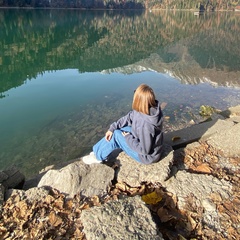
{"x":227,"y":140}
{"x":77,"y":177}
{"x":128,"y":218}
{"x":198,"y":191}
{"x":134,"y":173}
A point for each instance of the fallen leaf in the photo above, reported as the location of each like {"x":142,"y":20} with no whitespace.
{"x":58,"y":203}
{"x":175,"y":138}
{"x":152,"y":198}
{"x":68,"y":204}
{"x":204,"y":168}
{"x":54,"y":219}
{"x":121,"y":186}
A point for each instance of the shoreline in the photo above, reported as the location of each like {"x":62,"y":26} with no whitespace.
{"x":108,"y":9}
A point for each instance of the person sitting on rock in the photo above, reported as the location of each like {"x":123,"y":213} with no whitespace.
{"x":139,"y":133}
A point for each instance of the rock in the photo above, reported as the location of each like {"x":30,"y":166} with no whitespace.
{"x":2,"y":191}
{"x":195,"y":190}
{"x":33,"y":194}
{"x":182,"y":137}
{"x":12,"y":178}
{"x":227,"y":140}
{"x":77,"y":177}
{"x":3,"y":176}
{"x":134,"y":173}
{"x":128,"y":218}
{"x":231,"y":112}
{"x":185,"y":184}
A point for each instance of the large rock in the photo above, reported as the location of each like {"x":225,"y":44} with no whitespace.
{"x":134,"y":173}
{"x":77,"y":177}
{"x":199,"y":192}
{"x":227,"y":140}
{"x":182,"y":137}
{"x":128,"y":218}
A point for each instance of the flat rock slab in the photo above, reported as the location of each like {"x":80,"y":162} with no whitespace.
{"x":128,"y":218}
{"x":134,"y":173}
{"x":77,"y":177}
{"x":182,"y":137}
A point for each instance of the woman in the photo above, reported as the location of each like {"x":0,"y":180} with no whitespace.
{"x":139,"y":133}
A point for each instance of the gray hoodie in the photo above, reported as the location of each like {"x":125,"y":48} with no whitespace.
{"x":146,"y":137}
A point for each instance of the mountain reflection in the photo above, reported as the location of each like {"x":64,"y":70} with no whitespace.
{"x":35,"y":41}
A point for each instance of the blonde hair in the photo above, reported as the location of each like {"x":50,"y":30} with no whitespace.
{"x":143,"y":99}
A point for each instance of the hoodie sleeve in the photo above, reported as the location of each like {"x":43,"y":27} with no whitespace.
{"x":122,"y":122}
{"x":143,"y":145}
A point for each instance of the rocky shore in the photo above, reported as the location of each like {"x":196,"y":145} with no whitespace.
{"x":192,"y":193}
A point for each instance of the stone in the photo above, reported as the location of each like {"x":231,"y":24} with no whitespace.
{"x":2,"y":191}
{"x":32,"y":194}
{"x":185,"y":184}
{"x":77,"y":177}
{"x":3,"y":176}
{"x":182,"y":137}
{"x":195,"y":190}
{"x":128,"y":218}
{"x":12,"y":178}
{"x":134,"y":173}
{"x":227,"y":140}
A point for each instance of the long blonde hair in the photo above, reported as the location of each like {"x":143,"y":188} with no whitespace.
{"x":143,"y":99}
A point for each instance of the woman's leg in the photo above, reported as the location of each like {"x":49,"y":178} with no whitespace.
{"x":103,"y":148}
{"x":121,"y":141}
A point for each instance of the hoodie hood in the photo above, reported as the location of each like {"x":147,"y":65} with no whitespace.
{"x":155,"y":116}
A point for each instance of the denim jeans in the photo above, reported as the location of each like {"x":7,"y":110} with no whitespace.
{"x":103,"y":148}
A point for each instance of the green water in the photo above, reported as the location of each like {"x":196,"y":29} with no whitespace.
{"x":65,"y":75}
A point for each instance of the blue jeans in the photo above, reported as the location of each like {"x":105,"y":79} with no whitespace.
{"x":103,"y":148}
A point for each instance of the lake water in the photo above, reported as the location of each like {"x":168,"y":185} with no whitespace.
{"x":65,"y":75}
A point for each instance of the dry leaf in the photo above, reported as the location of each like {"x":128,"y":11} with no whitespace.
{"x":49,"y":199}
{"x":152,"y":198}
{"x":175,"y":138}
{"x":54,"y":219}
{"x":121,"y":186}
{"x":58,"y":203}
{"x":96,"y":201}
{"x":204,"y":168}
{"x":68,"y":204}
{"x":216,"y":197}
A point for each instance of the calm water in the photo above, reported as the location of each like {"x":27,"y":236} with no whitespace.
{"x":65,"y":75}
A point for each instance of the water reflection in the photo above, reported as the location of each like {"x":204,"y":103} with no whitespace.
{"x":35,"y":41}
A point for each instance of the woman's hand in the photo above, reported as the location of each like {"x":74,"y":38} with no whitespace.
{"x":108,"y":135}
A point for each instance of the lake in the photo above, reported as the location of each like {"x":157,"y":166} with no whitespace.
{"x":66,"y":75}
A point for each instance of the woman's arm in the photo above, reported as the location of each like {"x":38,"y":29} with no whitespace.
{"x":122,"y":122}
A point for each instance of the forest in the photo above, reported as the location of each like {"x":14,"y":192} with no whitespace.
{"x":203,"y":5}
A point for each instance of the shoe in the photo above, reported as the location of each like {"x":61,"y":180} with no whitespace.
{"x":89,"y":159}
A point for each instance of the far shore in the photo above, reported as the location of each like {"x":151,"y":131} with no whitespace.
{"x":104,"y":9}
